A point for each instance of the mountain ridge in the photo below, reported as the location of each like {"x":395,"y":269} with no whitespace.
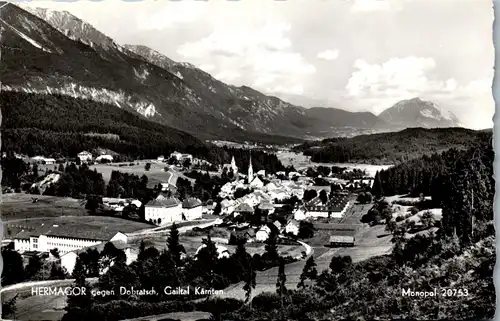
{"x":86,"y":63}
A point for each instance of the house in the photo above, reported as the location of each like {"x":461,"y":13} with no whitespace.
{"x":243,"y":209}
{"x":342,"y":238}
{"x":227,"y":207}
{"x":85,"y":156}
{"x":263,"y":234}
{"x":65,"y":238}
{"x":186,"y":156}
{"x":299,"y":214}
{"x":278,"y":225}
{"x":104,"y":158}
{"x":256,"y":183}
{"x":68,"y":260}
{"x":266,"y":207}
{"x":161,"y":158}
{"x":208,"y":208}
{"x":192,"y":209}
{"x":261,"y":173}
{"x":292,"y":227}
{"x":176,"y":155}
{"x":49,"y":161}
{"x":163,"y":210}
{"x":38,"y":159}
{"x":335,"y":208}
{"x":222,"y":251}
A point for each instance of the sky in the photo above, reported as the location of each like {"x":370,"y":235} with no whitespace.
{"x":358,"y":55}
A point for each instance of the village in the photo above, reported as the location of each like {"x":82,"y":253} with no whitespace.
{"x":250,"y":205}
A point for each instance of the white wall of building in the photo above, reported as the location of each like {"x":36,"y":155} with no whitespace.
{"x":193,"y":213}
{"x":166,"y":214}
{"x":292,"y":228}
{"x":45,"y":243}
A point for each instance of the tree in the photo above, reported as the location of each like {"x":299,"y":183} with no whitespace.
{"x":218,"y":208}
{"x":377,"y":189}
{"x":174,"y":246}
{"x":93,"y":203}
{"x":306,"y":230}
{"x":79,"y":307}
{"x":57,"y":272}
{"x":281,"y":283}
{"x":9,"y":307}
{"x":61,"y":168}
{"x":34,"y":266}
{"x":55,"y":253}
{"x":186,"y":163}
{"x":35,"y":171}
{"x":427,"y":220}
{"x":323,"y":196}
{"x":309,"y":272}
{"x":271,"y":247}
{"x":309,"y":195}
{"x":13,"y":269}
{"x":147,"y":167}
{"x":339,"y":264}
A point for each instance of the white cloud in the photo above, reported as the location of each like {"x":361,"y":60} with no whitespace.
{"x":228,"y":76}
{"x":379,"y":86}
{"x":238,"y":41}
{"x":262,"y":54}
{"x":206,"y":67}
{"x":329,"y":54}
{"x":296,"y":89}
{"x":172,"y":14}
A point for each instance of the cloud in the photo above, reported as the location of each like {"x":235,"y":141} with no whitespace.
{"x":296,"y":89}
{"x":329,"y":54}
{"x":379,"y":86}
{"x":206,"y":67}
{"x":172,"y":14}
{"x":238,"y":41}
{"x":262,"y":54}
{"x":228,"y":75}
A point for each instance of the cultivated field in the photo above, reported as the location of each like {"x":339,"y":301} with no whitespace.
{"x":20,"y":206}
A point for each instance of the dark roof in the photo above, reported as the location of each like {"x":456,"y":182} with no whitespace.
{"x":99,"y":247}
{"x":69,"y":230}
{"x":244,"y":207}
{"x":266,"y":206}
{"x":162,"y":201}
{"x":191,"y":203}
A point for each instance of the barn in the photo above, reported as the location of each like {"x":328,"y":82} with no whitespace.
{"x":342,"y":238}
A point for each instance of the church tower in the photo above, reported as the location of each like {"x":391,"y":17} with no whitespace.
{"x":250,"y":171}
{"x":233,"y":166}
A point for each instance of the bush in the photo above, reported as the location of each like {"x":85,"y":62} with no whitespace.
{"x":266,"y":301}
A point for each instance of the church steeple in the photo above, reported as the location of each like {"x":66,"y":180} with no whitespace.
{"x":250,"y":171}
{"x":233,"y":166}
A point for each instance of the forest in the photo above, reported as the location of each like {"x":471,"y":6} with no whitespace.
{"x":61,"y":126}
{"x":390,"y":148}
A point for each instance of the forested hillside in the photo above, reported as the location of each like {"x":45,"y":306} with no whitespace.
{"x":389,"y":148}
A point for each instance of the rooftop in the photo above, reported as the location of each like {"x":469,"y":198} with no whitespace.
{"x":162,"y":201}
{"x":191,"y":203}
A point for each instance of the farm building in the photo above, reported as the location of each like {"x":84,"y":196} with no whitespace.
{"x":342,"y":238}
{"x":104,"y":158}
{"x":163,"y":210}
{"x":335,"y":208}
{"x":161,"y":158}
{"x":292,"y":227}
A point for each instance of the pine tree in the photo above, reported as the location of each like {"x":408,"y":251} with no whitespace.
{"x":79,"y":307}
{"x":377,"y":190}
{"x":250,"y":283}
{"x":271,"y":248}
{"x":174,"y":246}
{"x":309,"y":272}
{"x":281,"y":283}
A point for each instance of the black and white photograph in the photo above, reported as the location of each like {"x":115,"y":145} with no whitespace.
{"x":244,"y":160}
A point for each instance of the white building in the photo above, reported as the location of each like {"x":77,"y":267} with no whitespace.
{"x":176,"y":155}
{"x":299,"y":215}
{"x":49,"y":161}
{"x":292,"y":227}
{"x":263,"y":234}
{"x":65,"y":238}
{"x":85,"y":156}
{"x":163,"y":210}
{"x":192,"y":209}
{"x":68,"y":260}
{"x":101,"y":158}
{"x":161,"y":158}
{"x":222,"y":251}
{"x":256,"y":183}
{"x":227,"y":207}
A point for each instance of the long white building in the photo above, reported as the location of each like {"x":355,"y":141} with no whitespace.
{"x":64,"y":238}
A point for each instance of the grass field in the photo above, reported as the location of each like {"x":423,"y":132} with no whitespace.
{"x":88,"y":226}
{"x":19,"y":206}
{"x":156,"y":173}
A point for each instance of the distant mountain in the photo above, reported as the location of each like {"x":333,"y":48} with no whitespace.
{"x":416,"y":112}
{"x":47,"y":51}
{"x":390,"y":148}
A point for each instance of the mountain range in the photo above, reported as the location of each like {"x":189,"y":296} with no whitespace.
{"x":54,"y":52}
